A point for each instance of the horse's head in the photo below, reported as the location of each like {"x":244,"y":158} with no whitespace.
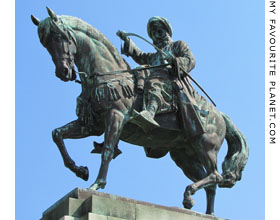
{"x":60,"y":43}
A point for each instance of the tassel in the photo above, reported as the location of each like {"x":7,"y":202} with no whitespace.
{"x":117,"y":94}
{"x":125,"y":92}
{"x":130,"y":91}
{"x":109,"y":94}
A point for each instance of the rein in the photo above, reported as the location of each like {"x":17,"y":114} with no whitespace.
{"x":118,"y":72}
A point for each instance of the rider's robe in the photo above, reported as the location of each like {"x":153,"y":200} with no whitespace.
{"x":170,"y":81}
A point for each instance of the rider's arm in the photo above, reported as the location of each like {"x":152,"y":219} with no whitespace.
{"x":130,"y":49}
{"x":184,"y":56}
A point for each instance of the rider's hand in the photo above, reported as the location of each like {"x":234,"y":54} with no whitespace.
{"x":122,"y":35}
{"x":170,"y":58}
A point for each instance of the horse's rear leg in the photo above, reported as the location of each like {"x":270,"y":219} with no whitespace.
{"x":113,"y":126}
{"x":206,"y":149}
{"x":209,"y":184}
{"x":71,"y":130}
{"x":210,"y":194}
{"x":193,"y":169}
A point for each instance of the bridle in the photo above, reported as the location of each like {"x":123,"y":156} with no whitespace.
{"x":65,"y":33}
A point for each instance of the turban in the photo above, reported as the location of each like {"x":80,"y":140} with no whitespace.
{"x":163,"y":21}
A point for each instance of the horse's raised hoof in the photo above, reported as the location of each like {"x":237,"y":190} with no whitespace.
{"x":83,"y":173}
{"x":188,"y":202}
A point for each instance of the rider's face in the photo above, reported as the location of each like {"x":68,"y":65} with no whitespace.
{"x":158,"y":32}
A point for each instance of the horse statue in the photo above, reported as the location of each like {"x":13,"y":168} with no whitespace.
{"x":108,"y":100}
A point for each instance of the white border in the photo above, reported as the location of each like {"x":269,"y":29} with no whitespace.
{"x":272,"y":125}
{"x":7,"y":128}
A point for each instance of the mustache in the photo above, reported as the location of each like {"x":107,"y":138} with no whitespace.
{"x":161,"y":43}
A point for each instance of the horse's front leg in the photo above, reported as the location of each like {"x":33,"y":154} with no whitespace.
{"x":113,"y":127}
{"x":72,"y":130}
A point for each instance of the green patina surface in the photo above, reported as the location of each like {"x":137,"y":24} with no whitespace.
{"x":173,"y":117}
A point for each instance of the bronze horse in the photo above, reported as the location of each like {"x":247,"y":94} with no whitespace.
{"x":108,"y":100}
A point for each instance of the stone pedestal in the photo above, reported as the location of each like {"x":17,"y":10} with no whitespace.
{"x":84,"y":204}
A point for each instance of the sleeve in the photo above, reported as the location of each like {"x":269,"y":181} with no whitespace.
{"x":184,"y":57}
{"x":130,"y":49}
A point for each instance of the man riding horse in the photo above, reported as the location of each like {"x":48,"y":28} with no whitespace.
{"x":107,"y":94}
{"x":162,"y":84}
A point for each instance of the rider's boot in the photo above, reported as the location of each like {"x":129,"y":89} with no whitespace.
{"x":150,"y":111}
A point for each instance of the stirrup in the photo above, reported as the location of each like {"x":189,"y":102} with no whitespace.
{"x":146,"y":123}
{"x":146,"y":115}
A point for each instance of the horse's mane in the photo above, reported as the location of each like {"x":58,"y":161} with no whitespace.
{"x":76,"y":24}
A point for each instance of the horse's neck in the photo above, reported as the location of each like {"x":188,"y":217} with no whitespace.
{"x":93,"y":56}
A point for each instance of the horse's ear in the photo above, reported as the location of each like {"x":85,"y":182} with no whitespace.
{"x":35,"y":20}
{"x":52,"y":14}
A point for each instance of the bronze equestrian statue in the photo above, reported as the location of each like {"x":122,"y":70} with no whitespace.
{"x":109,"y":104}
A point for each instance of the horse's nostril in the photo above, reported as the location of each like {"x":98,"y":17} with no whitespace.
{"x":65,"y":70}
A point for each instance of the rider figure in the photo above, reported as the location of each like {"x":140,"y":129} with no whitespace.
{"x":159,"y":88}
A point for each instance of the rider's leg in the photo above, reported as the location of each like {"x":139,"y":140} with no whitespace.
{"x":153,"y":99}
{"x":151,"y":109}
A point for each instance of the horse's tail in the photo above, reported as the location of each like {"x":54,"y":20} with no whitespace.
{"x":237,"y":154}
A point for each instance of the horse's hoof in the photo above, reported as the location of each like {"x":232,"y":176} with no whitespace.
{"x":98,"y":185}
{"x":94,"y":187}
{"x":83,"y":173}
{"x":188,"y":202}
{"x":210,"y":213}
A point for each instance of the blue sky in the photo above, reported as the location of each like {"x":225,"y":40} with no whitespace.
{"x":227,"y":40}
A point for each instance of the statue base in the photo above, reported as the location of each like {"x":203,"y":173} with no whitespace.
{"x":85,"y":204}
